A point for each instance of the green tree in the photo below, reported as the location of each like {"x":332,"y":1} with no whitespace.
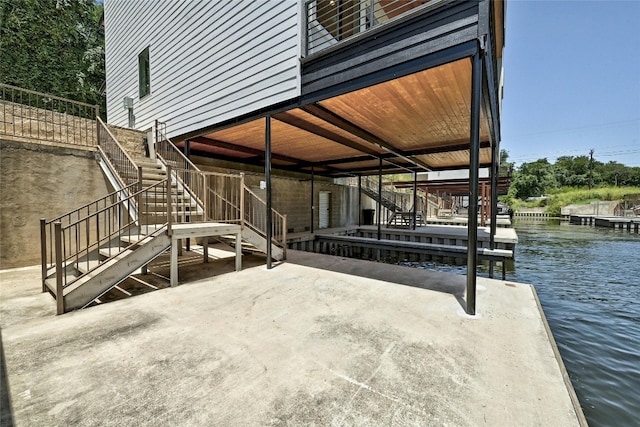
{"x":53,"y":46}
{"x":534,"y":179}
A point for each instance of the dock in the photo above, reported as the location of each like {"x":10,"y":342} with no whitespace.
{"x":318,"y":340}
{"x":630,"y":224}
{"x":434,"y":242}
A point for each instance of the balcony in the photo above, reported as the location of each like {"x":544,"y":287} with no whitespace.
{"x":329,"y":23}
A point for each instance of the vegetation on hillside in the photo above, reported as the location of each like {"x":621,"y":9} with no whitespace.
{"x":570,"y":180}
{"x":53,"y":46}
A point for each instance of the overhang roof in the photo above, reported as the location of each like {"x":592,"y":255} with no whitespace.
{"x":416,"y":122}
{"x":455,"y":187}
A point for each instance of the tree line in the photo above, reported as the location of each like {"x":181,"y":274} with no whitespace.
{"x":543,"y":177}
{"x":55,"y":47}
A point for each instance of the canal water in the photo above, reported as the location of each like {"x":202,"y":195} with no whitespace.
{"x":588,"y":282}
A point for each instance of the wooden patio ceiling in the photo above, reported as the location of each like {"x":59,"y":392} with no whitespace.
{"x":419,"y":122}
{"x":455,"y":187}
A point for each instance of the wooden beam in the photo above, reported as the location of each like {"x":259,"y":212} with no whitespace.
{"x":242,"y":149}
{"x":325,"y":133}
{"x":334,"y":119}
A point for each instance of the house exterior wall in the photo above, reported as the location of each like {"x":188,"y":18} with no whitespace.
{"x":209,"y":61}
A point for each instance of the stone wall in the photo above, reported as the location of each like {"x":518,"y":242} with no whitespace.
{"x":40,"y":181}
{"x":132,"y":140}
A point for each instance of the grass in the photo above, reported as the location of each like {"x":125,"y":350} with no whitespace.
{"x":570,"y":196}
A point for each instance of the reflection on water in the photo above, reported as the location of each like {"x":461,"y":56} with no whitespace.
{"x":588,"y":282}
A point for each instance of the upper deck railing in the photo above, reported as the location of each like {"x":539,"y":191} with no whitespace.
{"x":331,"y":22}
{"x":31,"y":115}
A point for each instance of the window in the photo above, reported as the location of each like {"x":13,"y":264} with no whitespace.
{"x":144,"y":73}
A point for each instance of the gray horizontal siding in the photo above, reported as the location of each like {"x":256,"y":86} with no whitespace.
{"x":210,"y":61}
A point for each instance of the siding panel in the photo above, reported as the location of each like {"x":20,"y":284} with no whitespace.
{"x":210,"y":61}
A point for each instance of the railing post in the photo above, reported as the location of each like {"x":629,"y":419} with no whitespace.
{"x":205,"y":196}
{"x":305,"y":28}
{"x":284,"y":237}
{"x":169,"y":216}
{"x":372,"y":14}
{"x":43,"y":251}
{"x":242,"y":200}
{"x":59,"y":272}
{"x":95,"y":120}
{"x":139,"y":201}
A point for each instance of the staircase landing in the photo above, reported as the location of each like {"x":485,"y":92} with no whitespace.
{"x":205,"y":230}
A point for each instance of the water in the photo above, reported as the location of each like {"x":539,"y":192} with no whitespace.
{"x":588,"y":282}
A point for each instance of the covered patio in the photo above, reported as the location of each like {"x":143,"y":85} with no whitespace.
{"x":378,"y":107}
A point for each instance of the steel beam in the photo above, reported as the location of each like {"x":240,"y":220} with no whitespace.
{"x":474,"y":161}
{"x":313,"y":207}
{"x":379,"y":204}
{"x":495,"y":157}
{"x":415,"y":198}
{"x":267,"y":177}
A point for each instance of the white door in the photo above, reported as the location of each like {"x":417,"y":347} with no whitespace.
{"x":324,"y":213}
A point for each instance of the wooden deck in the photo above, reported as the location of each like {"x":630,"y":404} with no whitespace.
{"x":205,"y":230}
{"x":630,"y":224}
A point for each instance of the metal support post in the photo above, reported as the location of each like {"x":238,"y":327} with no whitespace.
{"x":187,"y":154}
{"x":378,"y":205}
{"x":312,"y":201}
{"x":495,"y":156}
{"x":267,"y":177}
{"x":359,"y":200}
{"x":474,"y":163}
{"x":415,"y":199}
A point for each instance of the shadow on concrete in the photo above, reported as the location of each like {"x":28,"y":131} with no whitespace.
{"x":449,"y":283}
{"x":6,"y":412}
{"x":191,"y":268}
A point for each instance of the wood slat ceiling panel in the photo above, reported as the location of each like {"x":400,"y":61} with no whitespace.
{"x":424,"y":109}
{"x":219,"y":151}
{"x":364,"y":164}
{"x":286,"y":140}
{"x":454,"y":158}
{"x":315,"y":121}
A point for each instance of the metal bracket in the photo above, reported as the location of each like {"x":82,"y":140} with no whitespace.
{"x":482,"y":40}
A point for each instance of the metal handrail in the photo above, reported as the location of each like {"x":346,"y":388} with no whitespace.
{"x":255,"y":218}
{"x":221,"y":201}
{"x":118,"y":158}
{"x":328,"y":23}
{"x":38,"y":116}
{"x":79,"y":242}
{"x":83,"y":212}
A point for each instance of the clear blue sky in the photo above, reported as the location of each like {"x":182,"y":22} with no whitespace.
{"x":572,"y":80}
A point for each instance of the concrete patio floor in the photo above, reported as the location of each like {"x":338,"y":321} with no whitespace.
{"x":318,"y":340}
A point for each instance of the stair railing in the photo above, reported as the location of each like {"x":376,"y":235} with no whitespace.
{"x":222,"y":196}
{"x":79,"y":240}
{"x":83,"y":212}
{"x":217,"y":196}
{"x":116,"y":156}
{"x":32,"y":115}
{"x":255,"y":217}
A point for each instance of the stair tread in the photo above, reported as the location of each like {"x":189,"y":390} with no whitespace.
{"x":109,"y":252}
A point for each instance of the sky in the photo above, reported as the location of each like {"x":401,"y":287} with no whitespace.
{"x":572,"y":80}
